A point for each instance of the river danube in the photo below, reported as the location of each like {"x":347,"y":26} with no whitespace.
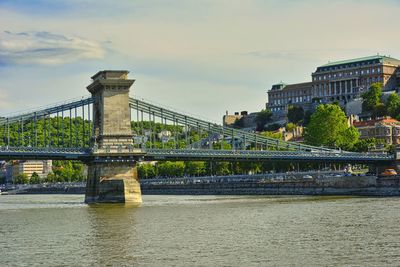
{"x":59,"y":230}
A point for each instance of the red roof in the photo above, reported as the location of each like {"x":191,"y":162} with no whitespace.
{"x":373,"y":122}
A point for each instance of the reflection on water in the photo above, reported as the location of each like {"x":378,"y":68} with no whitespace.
{"x":59,"y":230}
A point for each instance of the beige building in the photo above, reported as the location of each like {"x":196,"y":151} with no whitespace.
{"x":347,"y":79}
{"x":340,"y":81}
{"x":28,"y":167}
{"x":385,"y":129}
{"x":281,"y":95}
{"x":245,"y":119}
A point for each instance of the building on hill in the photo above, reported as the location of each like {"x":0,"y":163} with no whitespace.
{"x":345,"y":80}
{"x":340,"y":81}
{"x":281,"y":95}
{"x":385,"y":129}
{"x":241,"y":120}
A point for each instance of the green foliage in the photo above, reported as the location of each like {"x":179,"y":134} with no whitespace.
{"x":21,"y":178}
{"x":35,"y":178}
{"x":239,"y":123}
{"x":67,"y":171}
{"x":372,"y":97}
{"x":364,"y":145}
{"x":273,"y":127}
{"x":171,"y":169}
{"x":295,"y":114}
{"x":290,"y":126}
{"x":195,"y":168}
{"x":393,"y":105}
{"x":379,"y":110}
{"x":51,"y":178}
{"x":50,"y":132}
{"x":328,"y":127}
{"x":146,"y":170}
{"x":276,"y":135}
{"x":262,"y":118}
{"x":307,"y":117}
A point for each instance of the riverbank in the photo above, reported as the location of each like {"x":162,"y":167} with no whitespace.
{"x":293,"y":184}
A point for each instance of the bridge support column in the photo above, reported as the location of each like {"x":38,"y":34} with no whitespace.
{"x":110,"y":178}
{"x":113,"y":182}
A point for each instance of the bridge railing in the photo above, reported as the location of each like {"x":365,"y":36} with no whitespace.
{"x":204,"y":126}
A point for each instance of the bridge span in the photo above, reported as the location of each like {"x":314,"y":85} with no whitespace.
{"x":97,"y":130}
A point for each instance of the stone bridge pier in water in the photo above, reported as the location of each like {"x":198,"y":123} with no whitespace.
{"x":112,"y":180}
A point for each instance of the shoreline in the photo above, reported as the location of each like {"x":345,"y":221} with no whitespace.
{"x":340,"y":186}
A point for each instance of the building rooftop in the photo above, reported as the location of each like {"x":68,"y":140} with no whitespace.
{"x":385,"y":120}
{"x":382,"y":59}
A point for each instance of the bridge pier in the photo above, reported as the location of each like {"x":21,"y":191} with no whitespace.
{"x":111,"y":179}
{"x":113,"y":182}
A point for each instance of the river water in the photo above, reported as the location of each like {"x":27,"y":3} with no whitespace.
{"x":59,"y":230}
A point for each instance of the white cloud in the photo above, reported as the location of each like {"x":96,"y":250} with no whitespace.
{"x":45,"y":48}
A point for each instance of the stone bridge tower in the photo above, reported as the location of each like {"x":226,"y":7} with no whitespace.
{"x":111,"y":181}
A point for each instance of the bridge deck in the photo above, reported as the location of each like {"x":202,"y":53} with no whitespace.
{"x":191,"y":154}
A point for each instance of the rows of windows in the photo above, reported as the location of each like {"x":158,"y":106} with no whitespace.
{"x":347,"y":73}
{"x":297,"y":99}
{"x":352,"y":65}
{"x":290,"y":94}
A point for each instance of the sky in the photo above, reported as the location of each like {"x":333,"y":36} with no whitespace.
{"x":201,"y":57}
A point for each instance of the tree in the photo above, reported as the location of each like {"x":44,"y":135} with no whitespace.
{"x":372,"y":97}
{"x":51,"y":178}
{"x":239,"y":123}
{"x":35,"y":178}
{"x":363,"y":145}
{"x":393,"y":105}
{"x":195,"y":168}
{"x":290,"y":126}
{"x":328,"y":127}
{"x":21,"y":178}
{"x":262,"y":118}
{"x":379,"y":110}
{"x":146,"y":170}
{"x":171,"y":169}
{"x":273,"y":127}
{"x":295,"y":114}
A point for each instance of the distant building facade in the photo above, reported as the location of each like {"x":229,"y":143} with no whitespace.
{"x":341,"y":81}
{"x":28,"y":167}
{"x":281,"y":95}
{"x":385,"y":129}
{"x":346,"y":80}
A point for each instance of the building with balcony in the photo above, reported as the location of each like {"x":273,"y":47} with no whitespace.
{"x":385,"y":129}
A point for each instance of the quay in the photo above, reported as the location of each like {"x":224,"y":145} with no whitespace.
{"x":261,"y":184}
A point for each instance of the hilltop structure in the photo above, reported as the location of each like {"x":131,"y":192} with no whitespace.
{"x":341,"y":81}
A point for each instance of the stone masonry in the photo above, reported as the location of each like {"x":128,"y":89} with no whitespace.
{"x":111,"y":181}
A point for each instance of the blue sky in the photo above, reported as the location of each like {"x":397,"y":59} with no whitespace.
{"x":203,"y":57}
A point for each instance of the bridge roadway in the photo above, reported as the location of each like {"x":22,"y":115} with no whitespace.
{"x":133,"y":154}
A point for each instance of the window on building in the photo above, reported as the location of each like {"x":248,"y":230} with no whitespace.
{"x":367,"y":71}
{"x":362,"y":72}
{"x":379,"y":70}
